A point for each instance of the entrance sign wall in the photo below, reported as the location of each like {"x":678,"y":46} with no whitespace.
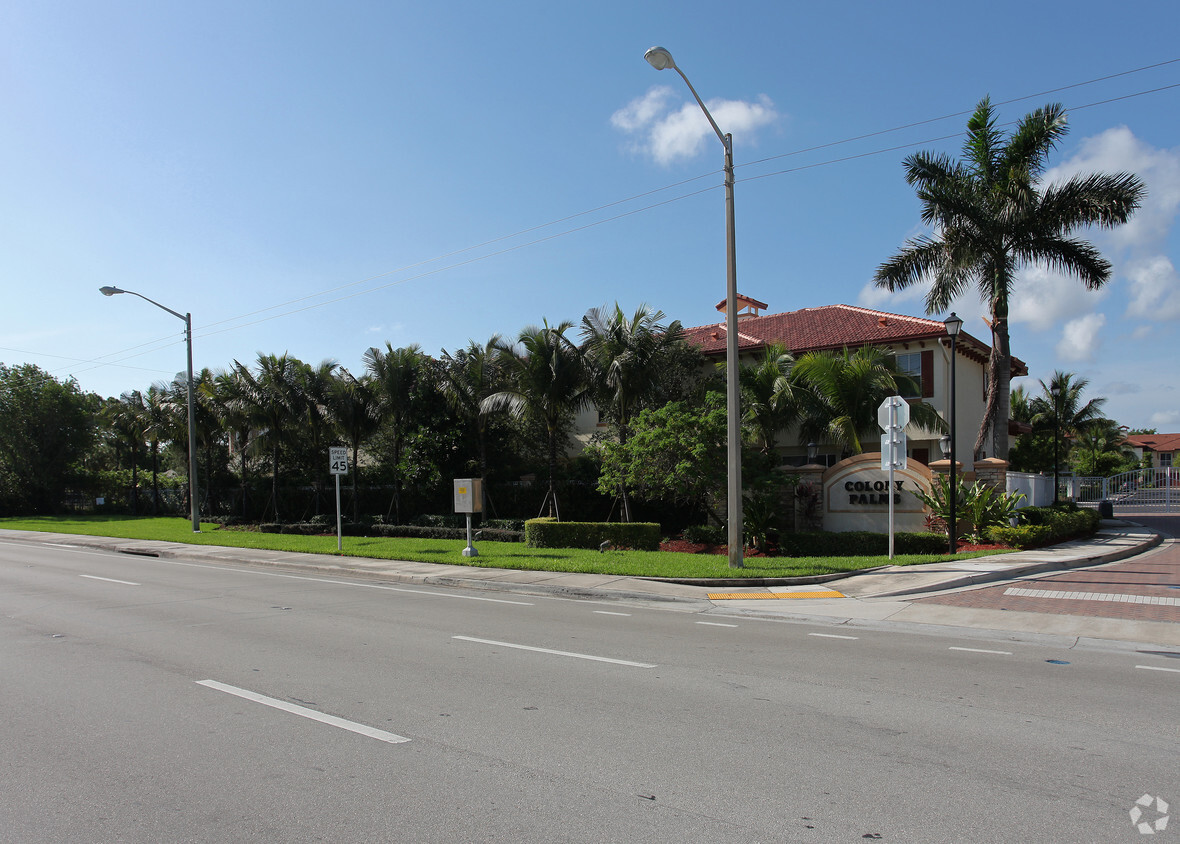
{"x":856,"y":495}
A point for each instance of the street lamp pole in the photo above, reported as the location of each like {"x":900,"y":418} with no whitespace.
{"x":1055,"y":391}
{"x":953,"y":324}
{"x":194,"y":508}
{"x":661,"y":59}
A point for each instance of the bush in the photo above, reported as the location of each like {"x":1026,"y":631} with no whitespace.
{"x":706,"y":535}
{"x":1065,"y":521}
{"x":1022,"y":536}
{"x":547,"y":533}
{"x":855,"y":543}
{"x":504,"y":524}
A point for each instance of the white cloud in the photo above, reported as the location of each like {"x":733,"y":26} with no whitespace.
{"x":1117,"y":150}
{"x":1079,"y":339}
{"x":1165,"y":419}
{"x":1045,"y":299}
{"x":1155,"y":289}
{"x":1121,"y":388}
{"x":668,"y":134}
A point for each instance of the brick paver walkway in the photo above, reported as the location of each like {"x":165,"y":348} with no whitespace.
{"x":1143,"y":588}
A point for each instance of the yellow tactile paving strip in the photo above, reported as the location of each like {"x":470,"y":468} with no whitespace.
{"x":742,"y":596}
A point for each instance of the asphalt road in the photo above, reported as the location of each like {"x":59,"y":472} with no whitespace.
{"x":163,"y":700}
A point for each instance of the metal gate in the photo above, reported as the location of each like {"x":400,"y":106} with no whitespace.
{"x":1143,"y":490}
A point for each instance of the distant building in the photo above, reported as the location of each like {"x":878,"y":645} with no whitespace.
{"x":1162,"y":448}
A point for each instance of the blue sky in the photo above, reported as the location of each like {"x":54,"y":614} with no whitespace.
{"x":319,"y":178}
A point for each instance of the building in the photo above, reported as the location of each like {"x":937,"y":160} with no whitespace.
{"x":1162,"y":448}
{"x":920,"y":346}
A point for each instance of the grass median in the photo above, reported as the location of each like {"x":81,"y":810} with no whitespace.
{"x":506,"y":555}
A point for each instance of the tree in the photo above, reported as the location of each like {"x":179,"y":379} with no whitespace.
{"x":127,"y":416}
{"x":675,"y":454}
{"x":771,"y":400}
{"x":547,"y":383}
{"x":840,"y":393}
{"x":271,"y":400}
{"x":46,"y":427}
{"x":623,"y":356}
{"x":1056,"y":422}
{"x":991,"y":218}
{"x":396,"y":374}
{"x":470,"y":376}
{"x":354,"y":410}
{"x":1101,"y":450}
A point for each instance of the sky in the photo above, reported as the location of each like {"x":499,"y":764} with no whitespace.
{"x":320,"y":178}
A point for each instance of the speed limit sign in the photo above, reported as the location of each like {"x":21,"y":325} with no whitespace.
{"x":338,"y":460}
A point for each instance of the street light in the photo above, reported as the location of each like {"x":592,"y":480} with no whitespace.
{"x":661,"y":59}
{"x":192,"y":419}
{"x":1055,"y":390}
{"x":953,"y":324}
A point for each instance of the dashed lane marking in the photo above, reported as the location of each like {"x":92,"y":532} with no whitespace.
{"x":981,"y":651}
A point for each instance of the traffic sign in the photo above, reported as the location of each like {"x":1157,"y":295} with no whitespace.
{"x":338,"y":460}
{"x":893,"y":451}
{"x":894,"y":409}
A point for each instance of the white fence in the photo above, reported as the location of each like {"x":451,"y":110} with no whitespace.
{"x":1037,"y":489}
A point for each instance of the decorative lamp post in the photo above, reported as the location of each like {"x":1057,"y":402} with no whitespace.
{"x":661,"y":59}
{"x":194,"y":508}
{"x":953,"y":324}
{"x":1055,"y":390}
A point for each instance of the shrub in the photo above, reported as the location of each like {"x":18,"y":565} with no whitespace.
{"x":706,"y":535}
{"x":1064,"y":521}
{"x":504,"y":524}
{"x":547,"y":533}
{"x":977,"y":507}
{"x":1022,"y":536}
{"x":859,"y":544}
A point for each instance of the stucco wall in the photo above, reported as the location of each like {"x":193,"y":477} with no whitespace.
{"x":855,"y":496}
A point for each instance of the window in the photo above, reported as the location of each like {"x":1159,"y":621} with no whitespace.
{"x":1165,"y":459}
{"x":920,"y":367}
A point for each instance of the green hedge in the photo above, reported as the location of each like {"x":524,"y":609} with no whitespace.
{"x":547,"y":533}
{"x":1064,"y":521}
{"x":1022,"y":536}
{"x":390,"y":531}
{"x":859,"y":544}
{"x":706,"y":534}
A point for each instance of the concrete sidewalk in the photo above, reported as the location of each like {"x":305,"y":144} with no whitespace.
{"x":866,"y":597}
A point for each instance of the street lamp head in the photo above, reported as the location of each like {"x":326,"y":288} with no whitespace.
{"x":110,"y":291}
{"x":659,"y":58}
{"x":953,"y":324}
{"x":1055,"y":390}
{"x":945,"y":445}
{"x":812,"y":451}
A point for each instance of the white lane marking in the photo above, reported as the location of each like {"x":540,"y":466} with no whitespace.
{"x":716,"y":624}
{"x":832,"y":636}
{"x":351,"y":726}
{"x":981,"y":651}
{"x":110,"y":580}
{"x":1158,"y":668}
{"x":341,"y":582}
{"x":607,"y":612}
{"x":556,"y":653}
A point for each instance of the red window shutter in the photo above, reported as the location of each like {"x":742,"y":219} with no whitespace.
{"x":927,"y":373}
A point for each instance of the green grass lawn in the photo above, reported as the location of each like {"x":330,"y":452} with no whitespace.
{"x":507,"y":555}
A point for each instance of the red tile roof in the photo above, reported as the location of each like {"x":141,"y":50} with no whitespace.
{"x":835,"y":327}
{"x":1155,"y":442}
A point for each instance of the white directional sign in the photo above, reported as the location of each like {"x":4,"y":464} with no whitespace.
{"x":338,"y":460}
{"x":895,"y":410}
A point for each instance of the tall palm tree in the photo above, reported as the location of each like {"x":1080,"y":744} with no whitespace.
{"x":1065,"y":415}
{"x":622,"y":357}
{"x":771,"y":400}
{"x":841,"y":392}
{"x":271,"y":397}
{"x":156,"y":416}
{"x":354,"y":410}
{"x":128,"y":418}
{"x":313,"y":390}
{"x":230,"y":399}
{"x":396,"y":375}
{"x":992,"y":217}
{"x":470,"y":376}
{"x":546,"y":383}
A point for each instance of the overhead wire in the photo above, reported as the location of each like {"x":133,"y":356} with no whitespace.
{"x":204,"y":331}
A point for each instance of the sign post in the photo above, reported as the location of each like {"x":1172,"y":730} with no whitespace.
{"x":338,"y":465}
{"x":469,"y":499}
{"x":893,"y":415}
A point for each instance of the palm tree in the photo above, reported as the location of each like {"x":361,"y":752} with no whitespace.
{"x":991,"y":217}
{"x":156,"y":430}
{"x":128,"y":418}
{"x":1064,"y":415}
{"x":314,"y":388}
{"x":353,"y":406}
{"x":396,"y":374}
{"x":771,"y":400}
{"x":1101,"y":450}
{"x":547,"y":383}
{"x":840,"y":393}
{"x":230,"y":399}
{"x":622,"y":359}
{"x":470,"y":376}
{"x":271,"y":399}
